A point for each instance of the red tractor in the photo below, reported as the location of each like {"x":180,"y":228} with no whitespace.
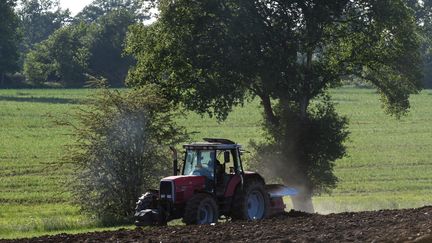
{"x":208,"y":189}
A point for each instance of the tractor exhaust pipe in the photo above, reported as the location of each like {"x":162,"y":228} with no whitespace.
{"x":175,"y":160}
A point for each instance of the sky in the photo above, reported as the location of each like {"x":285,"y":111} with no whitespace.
{"x":75,"y":6}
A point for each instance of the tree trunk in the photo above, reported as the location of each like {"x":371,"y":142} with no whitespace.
{"x":304,"y":104}
{"x":298,"y":177}
{"x":303,"y":201}
{"x":268,"y":110}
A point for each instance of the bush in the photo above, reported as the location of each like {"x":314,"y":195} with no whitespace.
{"x":121,"y":150}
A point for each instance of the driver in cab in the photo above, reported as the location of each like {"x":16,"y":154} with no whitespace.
{"x":204,"y":170}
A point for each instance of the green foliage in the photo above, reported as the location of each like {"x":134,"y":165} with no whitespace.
{"x":62,"y":57}
{"x":193,"y":44}
{"x":106,"y":50}
{"x":79,"y":49}
{"x":99,"y":8}
{"x":122,"y":144}
{"x":211,"y":55}
{"x":39,"y":19}
{"x":9,"y":39}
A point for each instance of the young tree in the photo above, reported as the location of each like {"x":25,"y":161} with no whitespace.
{"x":9,"y":39}
{"x":210,"y":55}
{"x":121,"y":150}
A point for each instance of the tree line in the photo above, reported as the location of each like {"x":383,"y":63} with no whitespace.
{"x":42,"y":44}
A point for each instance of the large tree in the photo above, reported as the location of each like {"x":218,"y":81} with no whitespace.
{"x":9,"y":39}
{"x":210,"y":55}
{"x":39,"y":19}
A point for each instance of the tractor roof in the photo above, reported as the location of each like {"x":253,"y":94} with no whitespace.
{"x":213,"y":143}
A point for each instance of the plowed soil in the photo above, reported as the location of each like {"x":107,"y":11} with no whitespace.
{"x":411,"y":225}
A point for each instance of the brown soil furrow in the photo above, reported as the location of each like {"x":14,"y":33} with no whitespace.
{"x":409,"y":225}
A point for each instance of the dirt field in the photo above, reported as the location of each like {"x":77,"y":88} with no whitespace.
{"x":411,"y":225}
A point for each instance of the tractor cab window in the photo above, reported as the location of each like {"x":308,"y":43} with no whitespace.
{"x":226,"y":163}
{"x":200,"y":162}
{"x":233,"y":164}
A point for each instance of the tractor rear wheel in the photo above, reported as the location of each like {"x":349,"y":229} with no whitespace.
{"x":250,"y":203}
{"x":201,"y":209}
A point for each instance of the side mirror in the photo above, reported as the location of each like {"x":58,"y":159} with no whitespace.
{"x":226,"y":157}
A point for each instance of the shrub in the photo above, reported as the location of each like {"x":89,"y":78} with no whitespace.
{"x":121,"y":150}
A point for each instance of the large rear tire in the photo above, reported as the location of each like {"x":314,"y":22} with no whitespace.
{"x":201,"y":209}
{"x":251,"y":202}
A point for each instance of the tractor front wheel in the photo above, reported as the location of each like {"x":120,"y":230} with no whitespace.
{"x":250,"y":202}
{"x":146,"y":201}
{"x":201,"y":209}
{"x":147,"y":212}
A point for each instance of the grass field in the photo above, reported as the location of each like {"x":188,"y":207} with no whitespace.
{"x":389,"y":163}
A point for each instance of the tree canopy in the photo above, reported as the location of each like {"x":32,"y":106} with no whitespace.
{"x":107,"y":58}
{"x":39,"y":19}
{"x":84,"y":48}
{"x":211,"y":55}
{"x":261,"y":46}
{"x":99,"y":8}
{"x":63,"y":57}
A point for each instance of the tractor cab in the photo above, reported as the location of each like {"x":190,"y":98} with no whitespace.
{"x":215,"y":159}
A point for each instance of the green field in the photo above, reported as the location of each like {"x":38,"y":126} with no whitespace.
{"x":389,"y":163}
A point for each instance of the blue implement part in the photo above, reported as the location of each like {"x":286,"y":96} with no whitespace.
{"x":278,"y":190}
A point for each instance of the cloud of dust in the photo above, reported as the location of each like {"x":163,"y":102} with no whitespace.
{"x":283,"y":167}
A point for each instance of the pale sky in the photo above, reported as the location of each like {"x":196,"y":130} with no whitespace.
{"x":74,"y":5}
